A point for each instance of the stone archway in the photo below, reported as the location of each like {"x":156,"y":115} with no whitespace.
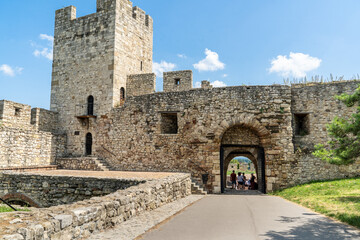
{"x":242,"y":139}
{"x":20,"y":198}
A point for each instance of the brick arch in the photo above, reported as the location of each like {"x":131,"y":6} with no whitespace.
{"x":245,"y":120}
{"x":21,"y":198}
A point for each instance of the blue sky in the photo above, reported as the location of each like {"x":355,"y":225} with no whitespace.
{"x":247,"y":42}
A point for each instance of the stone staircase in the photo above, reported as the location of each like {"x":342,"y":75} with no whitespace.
{"x":104,"y":165}
{"x":90,"y":163}
{"x":197,"y":188}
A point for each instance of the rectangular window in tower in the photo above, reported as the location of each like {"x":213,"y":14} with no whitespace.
{"x":302,"y":124}
{"x":169,"y":123}
{"x":177,"y":81}
{"x":17,"y":111}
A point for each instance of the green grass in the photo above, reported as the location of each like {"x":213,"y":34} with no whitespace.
{"x":338,"y":199}
{"x":247,"y":172}
{"x":5,"y":208}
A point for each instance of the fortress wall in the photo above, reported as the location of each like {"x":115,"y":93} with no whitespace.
{"x":130,"y":138}
{"x":15,"y":114}
{"x":48,"y":191}
{"x":318,"y":102}
{"x":45,"y":120}
{"x":82,"y":219}
{"x":26,"y":147}
{"x":178,"y":81}
{"x":28,"y":137}
{"x":140,"y":84}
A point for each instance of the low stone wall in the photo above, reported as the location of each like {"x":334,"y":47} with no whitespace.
{"x":47,"y":191}
{"x":85,"y":163}
{"x":79,"y":220}
{"x":30,"y":168}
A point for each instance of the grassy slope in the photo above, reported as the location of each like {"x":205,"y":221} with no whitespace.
{"x":338,"y":199}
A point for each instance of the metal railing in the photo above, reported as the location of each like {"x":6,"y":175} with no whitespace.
{"x":8,"y":204}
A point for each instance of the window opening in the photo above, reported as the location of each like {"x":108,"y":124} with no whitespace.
{"x":90,"y":110}
{"x":169,"y":123}
{"x":177,"y":81}
{"x":302,"y":124}
{"x":122,"y":94}
{"x":141,"y":65}
{"x":17,"y":111}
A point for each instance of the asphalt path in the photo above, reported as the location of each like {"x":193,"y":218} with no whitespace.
{"x":249,"y":217}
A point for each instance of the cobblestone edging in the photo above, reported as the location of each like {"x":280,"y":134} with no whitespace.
{"x":81,"y":219}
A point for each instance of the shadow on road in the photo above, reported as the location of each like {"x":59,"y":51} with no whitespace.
{"x":229,"y":191}
{"x":321,"y":228}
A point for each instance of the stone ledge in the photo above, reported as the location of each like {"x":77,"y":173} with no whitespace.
{"x":30,"y":168}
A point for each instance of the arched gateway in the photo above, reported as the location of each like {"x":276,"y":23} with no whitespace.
{"x":246,"y":140}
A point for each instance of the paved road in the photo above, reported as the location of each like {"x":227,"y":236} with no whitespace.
{"x":249,"y":217}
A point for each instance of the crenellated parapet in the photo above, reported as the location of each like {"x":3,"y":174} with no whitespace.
{"x":178,"y":81}
{"x":140,"y":84}
{"x":21,"y":116}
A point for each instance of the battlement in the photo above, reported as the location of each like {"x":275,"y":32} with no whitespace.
{"x":67,"y":15}
{"x":140,"y":84}
{"x":178,"y":81}
{"x":17,"y":115}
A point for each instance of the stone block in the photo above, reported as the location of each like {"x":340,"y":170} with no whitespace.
{"x":65,"y":220}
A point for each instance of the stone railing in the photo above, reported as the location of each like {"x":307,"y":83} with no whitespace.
{"x":81,"y":219}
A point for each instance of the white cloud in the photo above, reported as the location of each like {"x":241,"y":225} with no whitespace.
{"x":160,"y":68}
{"x":216,"y":83}
{"x":210,"y":63}
{"x":46,"y":52}
{"x":297,"y":65}
{"x":47,"y":37}
{"x":197,"y":85}
{"x":225,"y":75}
{"x":182,"y":56}
{"x":9,"y":71}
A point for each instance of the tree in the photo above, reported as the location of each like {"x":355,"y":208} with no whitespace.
{"x":344,"y":146}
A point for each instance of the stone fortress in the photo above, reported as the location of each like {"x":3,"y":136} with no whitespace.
{"x":106,"y":115}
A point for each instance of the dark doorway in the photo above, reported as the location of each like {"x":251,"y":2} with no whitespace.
{"x":122,"y":94}
{"x":90,"y":106}
{"x":260,"y":163}
{"x":88,"y":144}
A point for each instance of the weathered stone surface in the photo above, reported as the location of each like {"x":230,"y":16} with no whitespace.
{"x":180,"y":129}
{"x":65,"y":220}
{"x":45,"y":191}
{"x":95,"y":214}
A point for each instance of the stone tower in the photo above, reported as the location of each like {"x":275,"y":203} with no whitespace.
{"x":93,"y":55}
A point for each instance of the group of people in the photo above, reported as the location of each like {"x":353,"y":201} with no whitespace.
{"x":240,"y":181}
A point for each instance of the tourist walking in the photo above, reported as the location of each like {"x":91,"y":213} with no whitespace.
{"x":233,"y":179}
{"x":252,"y":182}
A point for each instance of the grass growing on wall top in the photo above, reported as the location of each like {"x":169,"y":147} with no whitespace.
{"x":5,"y":208}
{"x":338,"y":199}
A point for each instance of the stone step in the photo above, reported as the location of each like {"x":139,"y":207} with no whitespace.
{"x":195,"y":189}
